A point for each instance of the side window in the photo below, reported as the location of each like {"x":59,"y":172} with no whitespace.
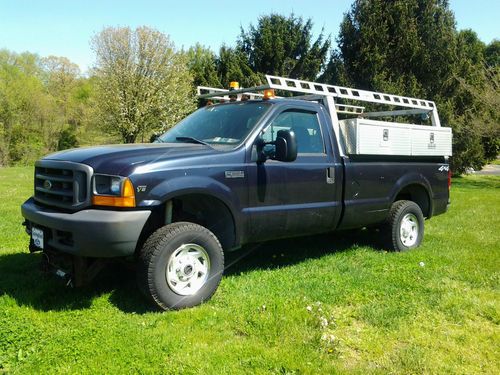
{"x":306,"y":127}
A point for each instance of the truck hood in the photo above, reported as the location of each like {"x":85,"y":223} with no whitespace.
{"x":123,"y":159}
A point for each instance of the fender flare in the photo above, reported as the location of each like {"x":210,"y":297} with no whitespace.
{"x":184,"y":185}
{"x":412,"y":179}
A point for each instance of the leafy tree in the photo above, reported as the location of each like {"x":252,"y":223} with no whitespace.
{"x":22,"y":103}
{"x":61,"y":76}
{"x":411,"y":47}
{"x":284,"y":46}
{"x":402,"y":46}
{"x":202,"y":65}
{"x":476,"y":113}
{"x":143,"y":84}
{"x":492,"y":53}
{"x":232,"y":65}
{"x":67,"y":139}
{"x":42,"y":100}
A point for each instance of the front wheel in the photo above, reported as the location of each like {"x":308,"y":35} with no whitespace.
{"x":180,"y":265}
{"x":404,"y":228}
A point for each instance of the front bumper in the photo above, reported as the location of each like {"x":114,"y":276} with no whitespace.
{"x":87,"y":233}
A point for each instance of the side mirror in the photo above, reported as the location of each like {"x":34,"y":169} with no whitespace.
{"x":286,"y":146}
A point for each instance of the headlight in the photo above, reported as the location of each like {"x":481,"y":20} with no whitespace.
{"x":116,"y":185}
{"x":108,"y":185}
{"x":113,"y":191}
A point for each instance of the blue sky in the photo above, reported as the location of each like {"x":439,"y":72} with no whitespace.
{"x":64,"y":28}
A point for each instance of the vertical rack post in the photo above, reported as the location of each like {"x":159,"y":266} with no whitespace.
{"x":330,"y":105}
{"x":435,"y":118}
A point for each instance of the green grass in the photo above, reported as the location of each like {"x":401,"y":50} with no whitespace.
{"x":386,"y":312}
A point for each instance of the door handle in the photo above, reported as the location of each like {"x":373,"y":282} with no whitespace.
{"x":330,"y":175}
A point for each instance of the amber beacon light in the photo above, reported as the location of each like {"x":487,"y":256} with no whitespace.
{"x":268,"y":94}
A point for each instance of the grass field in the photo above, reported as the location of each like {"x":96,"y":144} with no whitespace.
{"x":326,"y":304}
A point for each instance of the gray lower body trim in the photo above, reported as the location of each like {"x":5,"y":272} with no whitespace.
{"x":89,"y":233}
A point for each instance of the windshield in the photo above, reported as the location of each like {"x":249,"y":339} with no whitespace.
{"x":224,"y":124}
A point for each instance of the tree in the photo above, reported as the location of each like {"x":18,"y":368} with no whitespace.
{"x":411,"y":48}
{"x":143,"y":84}
{"x":202,"y":65}
{"x":405,"y":46}
{"x":492,"y":53}
{"x":284,"y":46}
{"x":61,"y":78}
{"x":45,"y":105}
{"x":22,"y":107}
{"x":232,"y":65}
{"x":476,"y":105}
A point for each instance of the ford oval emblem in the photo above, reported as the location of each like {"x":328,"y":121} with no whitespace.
{"x":47,"y":185}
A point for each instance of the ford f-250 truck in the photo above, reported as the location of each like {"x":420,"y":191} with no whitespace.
{"x":253,"y":169}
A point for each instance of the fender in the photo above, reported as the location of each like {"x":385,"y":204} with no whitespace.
{"x":412,"y":179}
{"x":208,"y":186}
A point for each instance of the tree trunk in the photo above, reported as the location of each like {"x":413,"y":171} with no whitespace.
{"x":129,"y":138}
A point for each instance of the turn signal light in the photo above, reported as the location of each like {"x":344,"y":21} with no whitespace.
{"x":126,"y":199}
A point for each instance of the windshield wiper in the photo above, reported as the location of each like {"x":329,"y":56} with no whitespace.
{"x":192,"y":140}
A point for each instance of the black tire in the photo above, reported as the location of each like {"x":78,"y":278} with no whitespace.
{"x":410,"y":215}
{"x":163,"y":247}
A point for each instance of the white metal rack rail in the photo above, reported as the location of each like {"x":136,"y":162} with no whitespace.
{"x":223,"y":94}
{"x":327,"y":95}
{"x":307,"y":87}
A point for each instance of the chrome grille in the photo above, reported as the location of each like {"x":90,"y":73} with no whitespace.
{"x":62,"y":184}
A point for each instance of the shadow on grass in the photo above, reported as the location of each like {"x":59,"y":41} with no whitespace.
{"x":21,"y":279}
{"x":287,"y":252}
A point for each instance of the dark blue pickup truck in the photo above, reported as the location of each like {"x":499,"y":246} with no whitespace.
{"x":227,"y":175}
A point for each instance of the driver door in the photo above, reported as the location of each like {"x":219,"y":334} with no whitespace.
{"x":299,"y":197}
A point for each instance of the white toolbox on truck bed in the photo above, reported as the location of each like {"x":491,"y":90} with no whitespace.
{"x":431,"y":141}
{"x":372,"y":137}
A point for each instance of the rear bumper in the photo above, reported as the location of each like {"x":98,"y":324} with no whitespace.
{"x":88,"y":233}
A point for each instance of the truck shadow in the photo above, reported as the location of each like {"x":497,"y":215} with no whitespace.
{"x":290,"y":251}
{"x":21,"y":279}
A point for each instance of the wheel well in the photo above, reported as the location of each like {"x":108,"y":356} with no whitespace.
{"x":201,"y":209}
{"x":419,"y":195}
{"x":209,"y":212}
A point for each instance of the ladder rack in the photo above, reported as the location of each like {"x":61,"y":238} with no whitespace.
{"x":307,"y":87}
{"x":356,"y":135}
{"x":325,"y":91}
{"x":295,"y":85}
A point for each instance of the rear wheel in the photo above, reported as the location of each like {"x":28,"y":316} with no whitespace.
{"x":404,"y":228}
{"x":180,"y":265}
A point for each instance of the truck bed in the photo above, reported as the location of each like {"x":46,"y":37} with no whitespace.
{"x":372,"y":183}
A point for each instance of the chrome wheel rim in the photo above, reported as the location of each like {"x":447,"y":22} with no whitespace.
{"x":187,"y":269}
{"x":408,"y":230}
